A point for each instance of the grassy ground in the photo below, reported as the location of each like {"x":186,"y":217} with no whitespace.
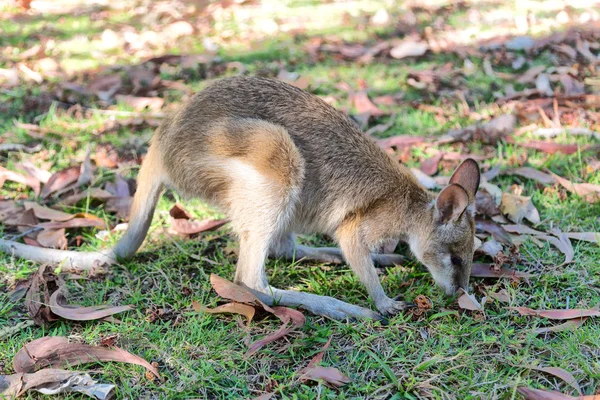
{"x":445,"y":354}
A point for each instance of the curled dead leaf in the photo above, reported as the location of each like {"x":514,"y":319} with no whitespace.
{"x":53,"y":381}
{"x":60,"y":180}
{"x":233,"y":308}
{"x":468,"y":301}
{"x":481,"y":270}
{"x":517,"y":208}
{"x":56,"y":351}
{"x":182,"y":223}
{"x":59,"y":307}
{"x":557,"y":314}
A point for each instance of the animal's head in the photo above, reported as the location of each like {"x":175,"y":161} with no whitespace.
{"x":445,"y":240}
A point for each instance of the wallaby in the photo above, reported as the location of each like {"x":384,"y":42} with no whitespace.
{"x":280,"y":161}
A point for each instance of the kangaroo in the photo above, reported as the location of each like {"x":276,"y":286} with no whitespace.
{"x":279,"y":162}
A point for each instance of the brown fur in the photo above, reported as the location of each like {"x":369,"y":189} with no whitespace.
{"x":280,"y":161}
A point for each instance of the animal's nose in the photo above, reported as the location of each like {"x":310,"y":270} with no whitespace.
{"x":451,"y":290}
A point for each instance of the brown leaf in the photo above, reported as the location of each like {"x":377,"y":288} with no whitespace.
{"x":118,"y":188}
{"x":53,"y":381}
{"x":53,"y":239}
{"x":92,"y":193}
{"x":558,"y":314}
{"x":559,"y":373}
{"x":61,"y":180}
{"x":538,"y":394}
{"x":291,"y":319}
{"x":75,"y":223}
{"x":588,"y":191}
{"x":532,"y":73}
{"x":401,"y":142}
{"x":47,"y":213}
{"x":10,"y":212}
{"x":364,"y":105}
{"x":502,"y":296}
{"x":560,"y":240}
{"x":7,"y":175}
{"x":531,"y":173}
{"x":142,"y":103}
{"x":234,"y":292}
{"x":239,"y":294}
{"x":330,"y":375}
{"x":496,"y":230}
{"x":86,"y":171}
{"x":468,"y":301}
{"x":481,"y":270}
{"x":182,"y":223}
{"x":550,"y":147}
{"x":40,"y":174}
{"x":233,"y":308}
{"x":105,"y":87}
{"x":79,"y":313}
{"x":431,"y":165}
{"x":409,"y":48}
{"x":56,"y":351}
{"x":593,"y":237}
{"x":517,"y":208}
{"x":571,"y":324}
{"x":120,"y":205}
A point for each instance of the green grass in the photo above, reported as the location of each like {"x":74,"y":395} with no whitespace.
{"x":444,"y":354}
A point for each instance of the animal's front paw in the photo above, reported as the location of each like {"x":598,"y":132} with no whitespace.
{"x":391,"y":307}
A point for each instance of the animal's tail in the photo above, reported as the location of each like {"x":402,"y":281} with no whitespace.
{"x":149,"y":186}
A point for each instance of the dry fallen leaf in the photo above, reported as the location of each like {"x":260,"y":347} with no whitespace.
{"x":540,"y":394}
{"x":571,"y":324}
{"x":550,"y":147}
{"x":53,"y":239}
{"x":86,"y":222}
{"x":330,"y":375}
{"x":430,"y":166}
{"x":47,"y":213}
{"x":61,"y":180}
{"x":292,"y":319}
{"x":182,"y":223}
{"x":7,"y":175}
{"x":517,"y":208}
{"x":401,"y":142}
{"x":531,"y":173}
{"x":481,"y":270}
{"x":501,"y":295}
{"x":557,"y":314}
{"x":53,"y":381}
{"x":560,"y":240}
{"x":233,"y":308}
{"x":588,"y":191}
{"x":141,"y":103}
{"x":59,"y":307}
{"x":56,"y":351}
{"x":468,"y":301}
{"x":409,"y":48}
{"x":496,"y":230}
{"x":559,"y":373}
{"x":92,"y":193}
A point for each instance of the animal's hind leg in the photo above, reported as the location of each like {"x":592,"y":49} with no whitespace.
{"x":287,"y":248}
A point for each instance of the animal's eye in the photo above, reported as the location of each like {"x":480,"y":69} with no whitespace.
{"x":457,"y":261}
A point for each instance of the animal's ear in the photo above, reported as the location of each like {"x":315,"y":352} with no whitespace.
{"x":451,"y":203}
{"x":467,"y":176}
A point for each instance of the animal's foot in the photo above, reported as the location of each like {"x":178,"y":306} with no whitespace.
{"x":390,"y":307}
{"x":322,"y":305}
